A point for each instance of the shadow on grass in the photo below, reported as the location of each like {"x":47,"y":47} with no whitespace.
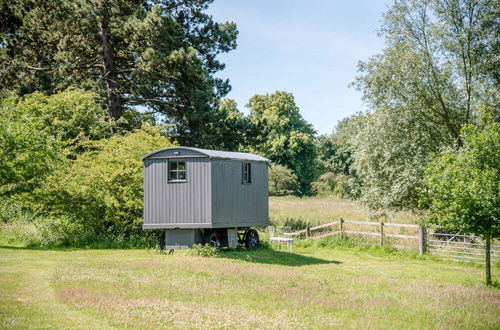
{"x":269,"y":256}
{"x":39,"y":248}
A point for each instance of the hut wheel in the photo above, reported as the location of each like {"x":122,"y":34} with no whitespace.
{"x":213,"y":239}
{"x":251,"y":239}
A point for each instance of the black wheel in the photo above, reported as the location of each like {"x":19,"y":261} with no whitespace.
{"x":251,"y":239}
{"x":213,"y":239}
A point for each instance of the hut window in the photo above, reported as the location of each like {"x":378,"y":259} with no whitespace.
{"x":177,"y":170}
{"x":246,"y":173}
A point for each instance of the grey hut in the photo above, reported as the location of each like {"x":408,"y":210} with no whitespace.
{"x":205,"y":196}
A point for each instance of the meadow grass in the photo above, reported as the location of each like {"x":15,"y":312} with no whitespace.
{"x":318,"y":210}
{"x":313,"y":288}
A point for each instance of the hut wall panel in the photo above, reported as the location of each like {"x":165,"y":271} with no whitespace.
{"x":191,"y":198}
{"x":236,"y":204}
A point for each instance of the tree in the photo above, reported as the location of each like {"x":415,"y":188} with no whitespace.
{"x":27,"y":151}
{"x":334,"y":151}
{"x":332,"y":184}
{"x":38,"y":132}
{"x":390,"y":149}
{"x":462,"y":187}
{"x":282,"y":181}
{"x":102,"y":190}
{"x":67,"y":115}
{"x":230,"y":128}
{"x":282,"y":135}
{"x":158,"y":54}
{"x":433,"y":77}
{"x":435,"y":63}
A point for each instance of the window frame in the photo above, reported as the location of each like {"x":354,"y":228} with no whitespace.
{"x":176,"y":170}
{"x":246,"y":173}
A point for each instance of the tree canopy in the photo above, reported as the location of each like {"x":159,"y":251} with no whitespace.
{"x":462,"y":187}
{"x":283,"y":135}
{"x":159,"y":54}
{"x":102,"y":189}
{"x":434,"y":76}
{"x":437,"y":62}
{"x":38,"y":132}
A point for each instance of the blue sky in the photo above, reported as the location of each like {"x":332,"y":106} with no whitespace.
{"x":309,"y":48}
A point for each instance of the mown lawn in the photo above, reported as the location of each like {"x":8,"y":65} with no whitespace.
{"x":315,"y":288}
{"x":318,"y":210}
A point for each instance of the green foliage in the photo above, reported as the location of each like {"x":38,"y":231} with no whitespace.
{"x":204,"y":250}
{"x":284,"y":136}
{"x":333,"y":157}
{"x":282,"y":181}
{"x":295,"y":224}
{"x":433,"y":76}
{"x":68,"y":115}
{"x":38,"y":132}
{"x":462,"y":186}
{"x":230,"y":128}
{"x":332,"y":184}
{"x":436,"y":61}
{"x":334,"y":153}
{"x":390,"y":149}
{"x":102,"y":189}
{"x":161,"y":55}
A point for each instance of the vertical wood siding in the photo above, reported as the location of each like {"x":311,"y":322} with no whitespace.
{"x":177,"y":202}
{"x":236,"y":204}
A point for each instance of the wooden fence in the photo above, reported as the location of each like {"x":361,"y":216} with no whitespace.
{"x":456,"y":247}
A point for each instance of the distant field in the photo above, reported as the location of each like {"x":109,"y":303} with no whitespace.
{"x":318,"y":288}
{"x":317,"y":210}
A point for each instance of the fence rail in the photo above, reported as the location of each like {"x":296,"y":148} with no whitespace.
{"x":454,"y":247}
{"x":461,"y":247}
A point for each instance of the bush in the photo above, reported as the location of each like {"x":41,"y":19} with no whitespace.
{"x":282,"y":181}
{"x":43,"y":231}
{"x":332,"y":184}
{"x":102,"y":190}
{"x":204,"y":250}
{"x":296,"y":224}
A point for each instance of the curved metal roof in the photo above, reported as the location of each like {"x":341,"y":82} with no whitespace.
{"x":216,"y":154}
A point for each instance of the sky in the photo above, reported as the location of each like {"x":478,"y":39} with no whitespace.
{"x":309,"y":48}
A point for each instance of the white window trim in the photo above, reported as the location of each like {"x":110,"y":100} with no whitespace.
{"x":177,"y":171}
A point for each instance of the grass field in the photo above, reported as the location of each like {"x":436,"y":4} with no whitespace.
{"x":318,"y":210}
{"x":315,"y":288}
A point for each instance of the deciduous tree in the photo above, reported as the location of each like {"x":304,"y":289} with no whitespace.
{"x":434,"y":76}
{"x":462,"y":187}
{"x":38,"y":132}
{"x":284,"y":136}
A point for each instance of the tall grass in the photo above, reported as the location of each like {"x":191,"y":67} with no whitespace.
{"x":294,"y":211}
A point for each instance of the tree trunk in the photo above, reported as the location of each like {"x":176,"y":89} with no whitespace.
{"x":488,"y":262}
{"x":108,"y":65}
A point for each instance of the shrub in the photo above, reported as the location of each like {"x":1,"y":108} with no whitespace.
{"x":296,"y":224}
{"x":102,"y":190}
{"x":282,"y":181}
{"x":204,"y":250}
{"x":28,"y":152}
{"x":332,"y":184}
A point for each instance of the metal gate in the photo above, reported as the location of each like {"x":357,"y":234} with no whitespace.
{"x":462,"y":248}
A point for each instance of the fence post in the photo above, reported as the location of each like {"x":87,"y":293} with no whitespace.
{"x":308,"y":232}
{"x":341,"y":228}
{"x":422,"y":244}
{"x":381,"y":234}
